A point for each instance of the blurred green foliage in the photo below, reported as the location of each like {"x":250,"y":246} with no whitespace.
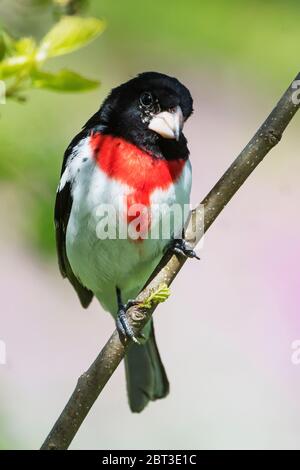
{"x":6,"y":439}
{"x":22,"y":60}
{"x":260,"y":38}
{"x":256,"y":41}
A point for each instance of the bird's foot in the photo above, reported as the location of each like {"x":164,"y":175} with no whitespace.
{"x":182,"y":247}
{"x":122,"y":323}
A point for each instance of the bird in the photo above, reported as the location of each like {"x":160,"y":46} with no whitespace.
{"x":131,"y":152}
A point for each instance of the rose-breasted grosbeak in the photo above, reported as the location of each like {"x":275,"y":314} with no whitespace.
{"x":132,"y":150}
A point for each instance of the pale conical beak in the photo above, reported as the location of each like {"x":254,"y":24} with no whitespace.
{"x":168,"y":124}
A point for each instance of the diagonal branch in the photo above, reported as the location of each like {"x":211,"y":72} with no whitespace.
{"x":91,"y":383}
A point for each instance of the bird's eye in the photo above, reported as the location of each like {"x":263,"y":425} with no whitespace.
{"x":146,"y":99}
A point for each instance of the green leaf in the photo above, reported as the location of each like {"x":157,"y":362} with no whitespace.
{"x":158,"y":296}
{"x":8,"y":43}
{"x":69,"y":34}
{"x":64,"y":80}
{"x":22,"y":58}
{"x":13,"y":66}
{"x":25,"y":46}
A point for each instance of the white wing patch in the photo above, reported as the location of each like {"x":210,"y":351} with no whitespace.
{"x":80,"y":155}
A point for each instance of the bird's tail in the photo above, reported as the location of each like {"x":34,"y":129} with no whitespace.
{"x":145,"y":374}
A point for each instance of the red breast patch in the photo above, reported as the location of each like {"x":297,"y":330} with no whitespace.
{"x":128,"y":164}
{"x":134,"y":167}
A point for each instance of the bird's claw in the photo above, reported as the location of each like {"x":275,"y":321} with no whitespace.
{"x":122,"y":323}
{"x":180,"y":246}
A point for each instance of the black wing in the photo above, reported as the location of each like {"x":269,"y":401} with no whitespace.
{"x":63,"y":206}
